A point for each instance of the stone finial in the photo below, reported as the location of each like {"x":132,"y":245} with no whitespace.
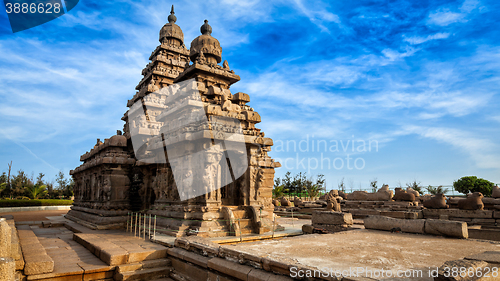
{"x":119,"y":132}
{"x":206,"y":29}
{"x":172,"y":18}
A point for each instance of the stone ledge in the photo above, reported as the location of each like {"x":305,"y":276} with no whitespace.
{"x":230,"y":268}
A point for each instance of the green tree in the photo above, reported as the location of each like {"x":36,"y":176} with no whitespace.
{"x":473,"y":184}
{"x":20,"y":183}
{"x":298,"y":184}
{"x":64,"y":186}
{"x":36,"y":191}
{"x":314,"y":188}
{"x":341,"y":185}
{"x":373,"y":185}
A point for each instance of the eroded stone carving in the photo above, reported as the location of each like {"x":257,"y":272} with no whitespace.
{"x":495,"y":192}
{"x":437,"y":201}
{"x":472,"y":202}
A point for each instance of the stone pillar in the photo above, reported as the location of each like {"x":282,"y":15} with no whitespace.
{"x":7,"y":269}
{"x":5,"y":238}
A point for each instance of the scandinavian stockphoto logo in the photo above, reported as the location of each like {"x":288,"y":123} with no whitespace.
{"x":24,"y":14}
{"x":171,"y":126}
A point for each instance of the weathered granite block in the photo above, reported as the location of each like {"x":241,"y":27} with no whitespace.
{"x":488,"y":256}
{"x":7,"y":269}
{"x":38,"y":264}
{"x":446,"y":228}
{"x":388,"y":224}
{"x":331,"y":218}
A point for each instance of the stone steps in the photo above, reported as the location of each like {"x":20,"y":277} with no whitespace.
{"x":148,"y":264}
{"x":145,"y":270}
{"x":240,"y":214}
{"x":143,"y":274}
{"x":36,"y":260}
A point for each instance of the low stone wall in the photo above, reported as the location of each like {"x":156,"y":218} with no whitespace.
{"x":471,"y":217}
{"x":421,"y":226}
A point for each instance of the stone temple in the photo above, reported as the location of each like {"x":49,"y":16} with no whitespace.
{"x":189,"y":153}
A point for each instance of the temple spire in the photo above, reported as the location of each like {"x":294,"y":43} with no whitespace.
{"x":172,"y":18}
{"x":206,"y":29}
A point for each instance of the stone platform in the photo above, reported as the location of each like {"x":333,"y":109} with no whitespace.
{"x":71,"y":261}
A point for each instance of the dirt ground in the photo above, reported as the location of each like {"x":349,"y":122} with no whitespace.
{"x":35,"y":215}
{"x":368,"y":250}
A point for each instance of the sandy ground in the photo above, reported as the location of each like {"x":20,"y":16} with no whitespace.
{"x":368,"y":249}
{"x":35,"y":215}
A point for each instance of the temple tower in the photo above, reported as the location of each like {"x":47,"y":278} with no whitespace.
{"x":191,"y":153}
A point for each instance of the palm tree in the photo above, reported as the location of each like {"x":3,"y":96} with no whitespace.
{"x":312,"y":189}
{"x":279,"y":191}
{"x":437,"y":190}
{"x":36,"y":191}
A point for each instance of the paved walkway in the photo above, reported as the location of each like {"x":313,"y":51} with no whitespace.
{"x":70,"y":258}
{"x":35,"y":215}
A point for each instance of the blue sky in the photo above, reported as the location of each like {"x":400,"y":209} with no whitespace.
{"x":418,"y":78}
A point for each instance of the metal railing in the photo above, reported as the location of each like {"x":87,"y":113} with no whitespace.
{"x":136,"y":223}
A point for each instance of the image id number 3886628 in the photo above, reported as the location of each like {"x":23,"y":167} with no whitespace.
{"x":33,"y":8}
{"x":470,"y":272}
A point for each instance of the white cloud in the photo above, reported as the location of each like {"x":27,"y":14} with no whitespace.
{"x":393,"y":55}
{"x":445,"y":17}
{"x":483,"y":151}
{"x":317,"y":16}
{"x":496,"y":118}
{"x":469,"y":5}
{"x":415,"y":40}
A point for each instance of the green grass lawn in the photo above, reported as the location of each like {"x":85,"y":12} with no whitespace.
{"x":34,"y":202}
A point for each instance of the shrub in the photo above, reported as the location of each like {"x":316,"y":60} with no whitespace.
{"x":473,"y":184}
{"x":38,"y":202}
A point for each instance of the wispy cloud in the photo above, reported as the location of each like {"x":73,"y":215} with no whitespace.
{"x":445,"y":16}
{"x":484,"y":152}
{"x":415,"y":40}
